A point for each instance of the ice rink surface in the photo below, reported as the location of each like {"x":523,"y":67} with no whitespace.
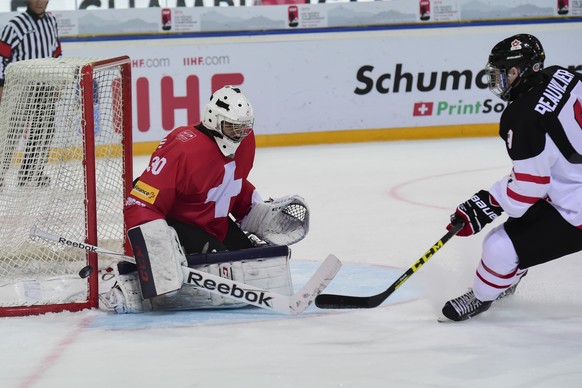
{"x":378,"y":207}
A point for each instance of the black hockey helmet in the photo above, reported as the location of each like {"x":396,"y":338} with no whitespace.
{"x":522,"y":51}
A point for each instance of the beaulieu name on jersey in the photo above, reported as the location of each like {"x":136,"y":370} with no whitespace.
{"x":554,"y":92}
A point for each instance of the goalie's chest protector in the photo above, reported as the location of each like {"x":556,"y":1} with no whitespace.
{"x":190,"y":180}
{"x":209,"y":185}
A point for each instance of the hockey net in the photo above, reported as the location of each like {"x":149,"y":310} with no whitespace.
{"x":65,"y":168}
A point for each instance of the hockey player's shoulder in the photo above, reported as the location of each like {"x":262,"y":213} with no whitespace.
{"x":551,"y":70}
{"x":185,"y":134}
{"x":189,"y":143}
{"x":20,"y":24}
{"x":188,"y":138}
{"x":554,"y":91}
{"x":558,"y":77}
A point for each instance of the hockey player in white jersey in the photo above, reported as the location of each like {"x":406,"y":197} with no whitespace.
{"x":542,"y":195}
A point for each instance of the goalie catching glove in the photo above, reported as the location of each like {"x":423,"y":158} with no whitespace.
{"x":478,"y":211}
{"x":280,"y":221}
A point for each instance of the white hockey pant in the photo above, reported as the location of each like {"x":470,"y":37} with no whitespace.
{"x":498,"y":269}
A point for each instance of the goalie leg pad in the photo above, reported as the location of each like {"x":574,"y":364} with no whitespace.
{"x":280,"y":221}
{"x":269,"y":273}
{"x":158,"y":256}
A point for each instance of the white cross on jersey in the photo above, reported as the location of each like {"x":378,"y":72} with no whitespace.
{"x":222,"y":194}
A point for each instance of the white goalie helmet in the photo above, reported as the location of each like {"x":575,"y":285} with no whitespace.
{"x":229,"y":115}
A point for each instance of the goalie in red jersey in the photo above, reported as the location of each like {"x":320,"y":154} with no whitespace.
{"x":195,"y":197}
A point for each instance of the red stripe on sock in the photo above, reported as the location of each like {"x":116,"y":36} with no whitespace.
{"x":492,"y":284}
{"x":509,"y":275}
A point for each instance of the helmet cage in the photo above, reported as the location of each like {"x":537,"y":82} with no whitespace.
{"x":498,"y":82}
{"x":235,"y":131}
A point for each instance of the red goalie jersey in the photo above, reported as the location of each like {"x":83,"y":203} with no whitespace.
{"x":190,"y":180}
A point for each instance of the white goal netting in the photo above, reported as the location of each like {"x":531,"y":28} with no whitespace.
{"x":63,"y":161}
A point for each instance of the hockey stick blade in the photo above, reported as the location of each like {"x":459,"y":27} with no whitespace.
{"x":316,"y":284}
{"x":283,"y":304}
{"x":333,"y":301}
{"x":289,"y":305}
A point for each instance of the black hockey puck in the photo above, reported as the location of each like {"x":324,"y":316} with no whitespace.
{"x":85,"y":272}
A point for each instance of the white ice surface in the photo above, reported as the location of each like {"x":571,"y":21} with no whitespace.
{"x":378,"y":204}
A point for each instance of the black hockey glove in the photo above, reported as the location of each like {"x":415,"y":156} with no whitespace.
{"x":477,"y":212}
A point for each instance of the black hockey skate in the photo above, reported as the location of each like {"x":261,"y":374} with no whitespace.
{"x":464,"y":307}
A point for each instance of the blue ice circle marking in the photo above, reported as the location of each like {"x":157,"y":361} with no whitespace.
{"x":352,"y":279}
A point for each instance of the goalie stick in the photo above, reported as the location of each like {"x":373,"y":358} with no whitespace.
{"x":288,"y":305}
{"x":332,"y":301}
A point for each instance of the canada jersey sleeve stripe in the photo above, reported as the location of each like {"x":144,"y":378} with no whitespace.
{"x":544,"y":180}
{"x":522,"y":198}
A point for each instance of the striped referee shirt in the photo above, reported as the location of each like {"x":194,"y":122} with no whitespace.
{"x":28,"y":36}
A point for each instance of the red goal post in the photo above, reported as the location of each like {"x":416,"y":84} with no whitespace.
{"x":65,"y":168}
